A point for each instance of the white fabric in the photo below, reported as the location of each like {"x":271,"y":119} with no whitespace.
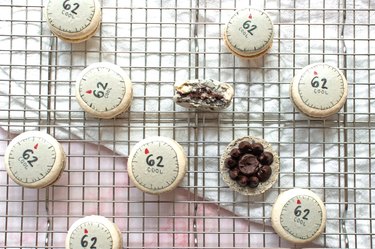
{"x":261,"y":95}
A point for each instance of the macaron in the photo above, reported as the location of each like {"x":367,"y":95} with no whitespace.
{"x":249,"y":33}
{"x":249,"y":166}
{"x":104,"y":90}
{"x":157,"y":165}
{"x":73,"y":21}
{"x":319,"y":90}
{"x":34,"y":159}
{"x":298,"y":216}
{"x":94,"y":232}
{"x":203,"y":94}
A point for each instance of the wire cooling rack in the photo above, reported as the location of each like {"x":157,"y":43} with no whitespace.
{"x":158,"y":43}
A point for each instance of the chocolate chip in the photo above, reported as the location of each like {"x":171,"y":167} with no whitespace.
{"x":235,"y":153}
{"x":230,"y":163}
{"x":244,"y":147}
{"x":234,"y":173}
{"x":243,"y":180}
{"x":257,"y":149}
{"x":264,"y":173}
{"x":253,"y":182}
{"x":248,"y":164}
{"x":266,"y":158}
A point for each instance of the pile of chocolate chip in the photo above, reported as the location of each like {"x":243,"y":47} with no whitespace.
{"x":249,"y":164}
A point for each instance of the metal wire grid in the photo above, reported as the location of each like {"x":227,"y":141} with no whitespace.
{"x":95,"y":180}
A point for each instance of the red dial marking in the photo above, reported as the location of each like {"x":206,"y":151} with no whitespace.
{"x":89,"y":91}
{"x":147,"y":151}
{"x":250,"y":16}
{"x":298,"y":202}
{"x":315,"y":73}
{"x":86,"y":232}
{"x":36,"y":146}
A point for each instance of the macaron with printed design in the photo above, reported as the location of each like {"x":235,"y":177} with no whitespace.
{"x":34,"y":159}
{"x":157,"y":165}
{"x":94,"y":232}
{"x":249,"y":33}
{"x":73,"y":21}
{"x":319,"y":90}
{"x":299,"y":216}
{"x":104,"y":90}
